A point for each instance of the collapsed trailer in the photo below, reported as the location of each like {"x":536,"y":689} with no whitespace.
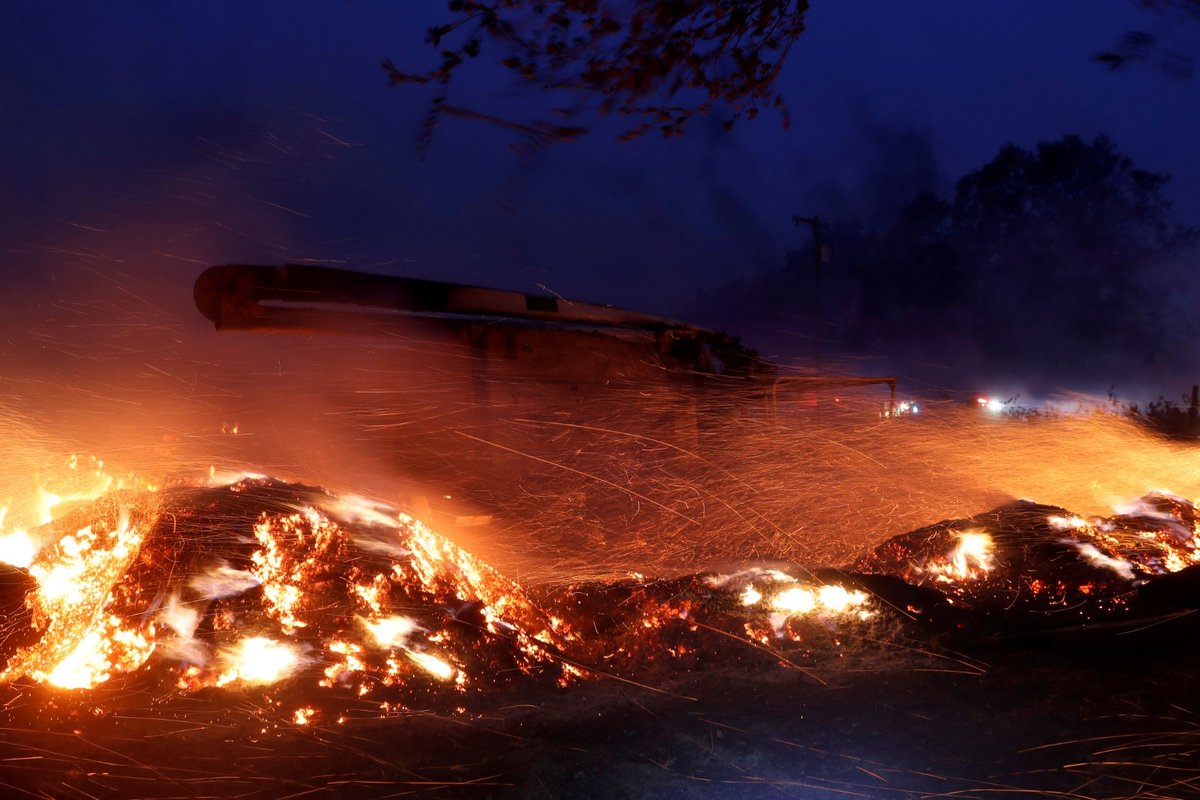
{"x":517,"y":335}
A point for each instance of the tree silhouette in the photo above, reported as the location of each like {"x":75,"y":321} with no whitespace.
{"x":1063,"y":236}
{"x":1041,"y":257}
{"x":658,"y":62}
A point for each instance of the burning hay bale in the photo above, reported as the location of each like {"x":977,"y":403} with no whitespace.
{"x":751,"y":619}
{"x":275,"y":632}
{"x":257,"y":583}
{"x":1027,"y":567}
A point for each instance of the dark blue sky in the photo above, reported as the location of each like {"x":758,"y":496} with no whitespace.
{"x":159,"y":137}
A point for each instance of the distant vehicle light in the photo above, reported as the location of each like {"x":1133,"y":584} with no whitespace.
{"x":991,"y":405}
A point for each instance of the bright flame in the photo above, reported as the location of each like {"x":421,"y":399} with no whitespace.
{"x":17,"y":548}
{"x":794,"y":601}
{"x":903,"y":408}
{"x":837,"y":598}
{"x":971,"y":559}
{"x":1067,"y":523}
{"x":85,"y":481}
{"x":392,"y":631}
{"x":259,"y":660}
{"x":84,"y":667}
{"x":294,"y":551}
{"x":101,"y":651}
{"x":829,"y":597}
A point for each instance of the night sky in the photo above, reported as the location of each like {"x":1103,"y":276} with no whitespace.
{"x":149,"y":140}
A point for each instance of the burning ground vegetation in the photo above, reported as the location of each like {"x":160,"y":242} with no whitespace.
{"x":246,"y":636}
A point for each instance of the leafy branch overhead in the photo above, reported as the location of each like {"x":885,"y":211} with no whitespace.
{"x":658,"y":62}
{"x":1169,"y":49}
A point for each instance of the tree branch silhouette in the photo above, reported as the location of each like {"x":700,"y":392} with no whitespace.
{"x":660,"y":63}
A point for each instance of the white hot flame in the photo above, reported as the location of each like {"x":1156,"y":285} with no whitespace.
{"x":259,"y":660}
{"x":1067,"y":523}
{"x":17,"y":548}
{"x":838,"y":598}
{"x":794,"y":601}
{"x":391,"y":631}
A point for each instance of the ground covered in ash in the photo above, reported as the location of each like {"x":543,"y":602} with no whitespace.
{"x":263,"y":639}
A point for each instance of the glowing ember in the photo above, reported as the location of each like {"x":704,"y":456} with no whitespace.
{"x":297,"y":552}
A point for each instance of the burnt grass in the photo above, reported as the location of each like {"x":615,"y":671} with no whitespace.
{"x":1107,"y":717}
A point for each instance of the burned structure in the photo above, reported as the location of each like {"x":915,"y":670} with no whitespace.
{"x":513,"y":353}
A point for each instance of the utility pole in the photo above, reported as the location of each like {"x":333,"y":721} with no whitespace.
{"x":820,"y":255}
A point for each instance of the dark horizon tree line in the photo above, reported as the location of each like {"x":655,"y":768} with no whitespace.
{"x":1037,"y":257}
